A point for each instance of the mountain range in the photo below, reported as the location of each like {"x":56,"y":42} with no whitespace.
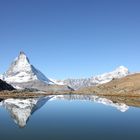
{"x":95,"y":80}
{"x":21,"y":74}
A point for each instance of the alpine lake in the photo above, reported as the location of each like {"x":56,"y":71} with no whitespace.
{"x":70,"y":117}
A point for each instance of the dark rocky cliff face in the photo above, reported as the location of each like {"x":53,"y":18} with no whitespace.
{"x":5,"y":86}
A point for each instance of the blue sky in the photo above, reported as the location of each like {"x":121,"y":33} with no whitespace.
{"x":71,"y":38}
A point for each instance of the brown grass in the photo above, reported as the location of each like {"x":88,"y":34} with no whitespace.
{"x":127,"y":86}
{"x":11,"y":94}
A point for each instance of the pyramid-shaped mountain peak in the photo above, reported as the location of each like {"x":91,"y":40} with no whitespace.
{"x":22,"y":71}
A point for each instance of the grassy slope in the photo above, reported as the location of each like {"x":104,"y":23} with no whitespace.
{"x":127,"y":86}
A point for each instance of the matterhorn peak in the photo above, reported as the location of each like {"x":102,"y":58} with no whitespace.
{"x":21,"y":63}
{"x":23,"y":57}
{"x":22,"y":52}
{"x":22,"y":71}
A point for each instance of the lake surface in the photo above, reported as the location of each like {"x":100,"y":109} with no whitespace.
{"x":69,"y":117}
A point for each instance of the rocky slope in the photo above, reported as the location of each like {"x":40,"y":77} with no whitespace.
{"x":126,"y":86}
{"x":40,"y":85}
{"x":95,"y":80}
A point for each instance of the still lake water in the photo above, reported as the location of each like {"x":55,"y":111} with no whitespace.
{"x":68,"y":117}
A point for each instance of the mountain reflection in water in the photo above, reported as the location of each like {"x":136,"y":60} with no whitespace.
{"x":21,"y":109}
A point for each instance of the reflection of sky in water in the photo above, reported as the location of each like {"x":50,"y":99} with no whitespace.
{"x":75,"y":119}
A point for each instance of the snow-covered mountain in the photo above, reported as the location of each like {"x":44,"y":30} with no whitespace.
{"x":22,"y":71}
{"x":95,"y":80}
{"x":21,"y":74}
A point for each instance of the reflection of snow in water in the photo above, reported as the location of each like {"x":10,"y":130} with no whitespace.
{"x":120,"y":106}
{"x":21,"y":109}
